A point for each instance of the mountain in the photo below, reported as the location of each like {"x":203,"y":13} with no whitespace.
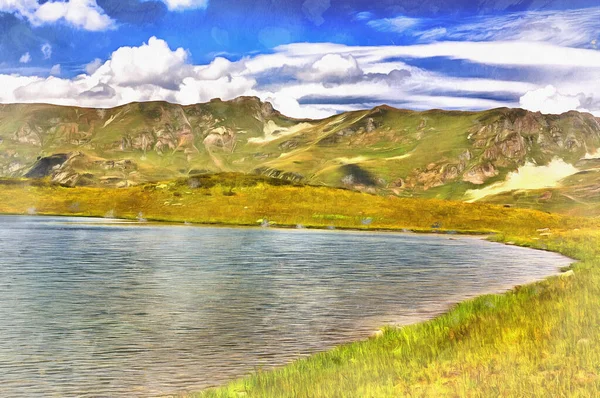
{"x":501,"y":155}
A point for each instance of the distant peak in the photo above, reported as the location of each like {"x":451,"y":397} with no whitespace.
{"x":384,"y":107}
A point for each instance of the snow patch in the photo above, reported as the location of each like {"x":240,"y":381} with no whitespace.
{"x":529,"y":176}
{"x":354,"y":160}
{"x":400,"y":157}
{"x":593,"y":155}
{"x":273,"y":132}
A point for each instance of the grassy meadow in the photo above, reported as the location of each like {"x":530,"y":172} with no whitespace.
{"x":537,"y":340}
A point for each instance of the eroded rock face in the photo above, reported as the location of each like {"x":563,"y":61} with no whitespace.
{"x":143,"y":142}
{"x":465,"y":156}
{"x":267,"y":111}
{"x":480,"y":173}
{"x":28,"y":135}
{"x":518,"y":133}
{"x":435,"y":174}
{"x":66,"y":177}
{"x":222,"y":137}
{"x":370,"y":126}
{"x":288,"y":145}
{"x":14,"y":166}
{"x":123,"y":165}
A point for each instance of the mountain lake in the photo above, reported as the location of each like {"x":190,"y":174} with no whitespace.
{"x":98,"y":307}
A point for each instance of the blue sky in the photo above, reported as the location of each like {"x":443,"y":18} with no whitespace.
{"x":311,"y":58}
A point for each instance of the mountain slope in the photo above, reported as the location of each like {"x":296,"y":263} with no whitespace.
{"x":384,"y":150}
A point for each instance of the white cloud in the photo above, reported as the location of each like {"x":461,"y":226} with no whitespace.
{"x":151,"y":63}
{"x":193,"y":90}
{"x":46,"y":50}
{"x":363,"y":16}
{"x":568,"y":27}
{"x":151,"y":71}
{"x":93,"y":66}
{"x":398,"y":24}
{"x":20,"y":7}
{"x":316,"y":80}
{"x":180,"y":5}
{"x":332,"y":67}
{"x":25,"y":58}
{"x":52,"y":89}
{"x":11,"y":83}
{"x":578,"y":27}
{"x":487,"y":53}
{"x":81,"y":14}
{"x":548,"y":100}
{"x":55,"y":70}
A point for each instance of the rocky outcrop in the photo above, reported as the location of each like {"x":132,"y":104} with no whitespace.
{"x":480,"y":173}
{"x":279,"y":174}
{"x":122,"y":165}
{"x":370,"y":125}
{"x":28,"y":135}
{"x":515,"y":135}
{"x":412,"y":151}
{"x":222,"y":138}
{"x":289,"y":145}
{"x":47,"y":165}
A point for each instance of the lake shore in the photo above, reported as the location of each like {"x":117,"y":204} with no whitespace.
{"x":424,"y":347}
{"x":541,"y":337}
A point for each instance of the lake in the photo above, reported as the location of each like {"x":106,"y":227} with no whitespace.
{"x":93,"y":307}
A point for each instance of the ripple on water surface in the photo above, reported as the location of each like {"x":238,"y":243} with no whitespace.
{"x":95,"y":309}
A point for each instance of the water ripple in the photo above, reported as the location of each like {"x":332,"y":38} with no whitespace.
{"x":96,"y":309}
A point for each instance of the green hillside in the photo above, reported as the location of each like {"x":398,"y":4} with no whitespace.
{"x":432,"y":154}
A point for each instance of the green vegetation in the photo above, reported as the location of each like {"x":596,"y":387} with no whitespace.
{"x":537,"y":340}
{"x":432,"y":154}
{"x":240,"y":199}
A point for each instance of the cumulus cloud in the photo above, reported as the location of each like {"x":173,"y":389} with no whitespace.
{"x":25,"y":58}
{"x":152,"y":71}
{"x":81,"y":14}
{"x":332,"y":68}
{"x":19,"y":7}
{"x":548,"y":100}
{"x":181,"y":5}
{"x":151,"y":63}
{"x":93,"y":66}
{"x":319,"y":79}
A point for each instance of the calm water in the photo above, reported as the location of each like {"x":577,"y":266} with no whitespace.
{"x":95,"y":309}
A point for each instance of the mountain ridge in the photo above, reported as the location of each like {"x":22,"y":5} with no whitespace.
{"x":432,"y":153}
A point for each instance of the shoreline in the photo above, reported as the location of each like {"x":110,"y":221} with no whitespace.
{"x":444,"y":308}
{"x":449,"y":309}
{"x":158,"y":221}
{"x":366,"y":365}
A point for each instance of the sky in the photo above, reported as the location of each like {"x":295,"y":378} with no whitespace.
{"x":310,"y":58}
